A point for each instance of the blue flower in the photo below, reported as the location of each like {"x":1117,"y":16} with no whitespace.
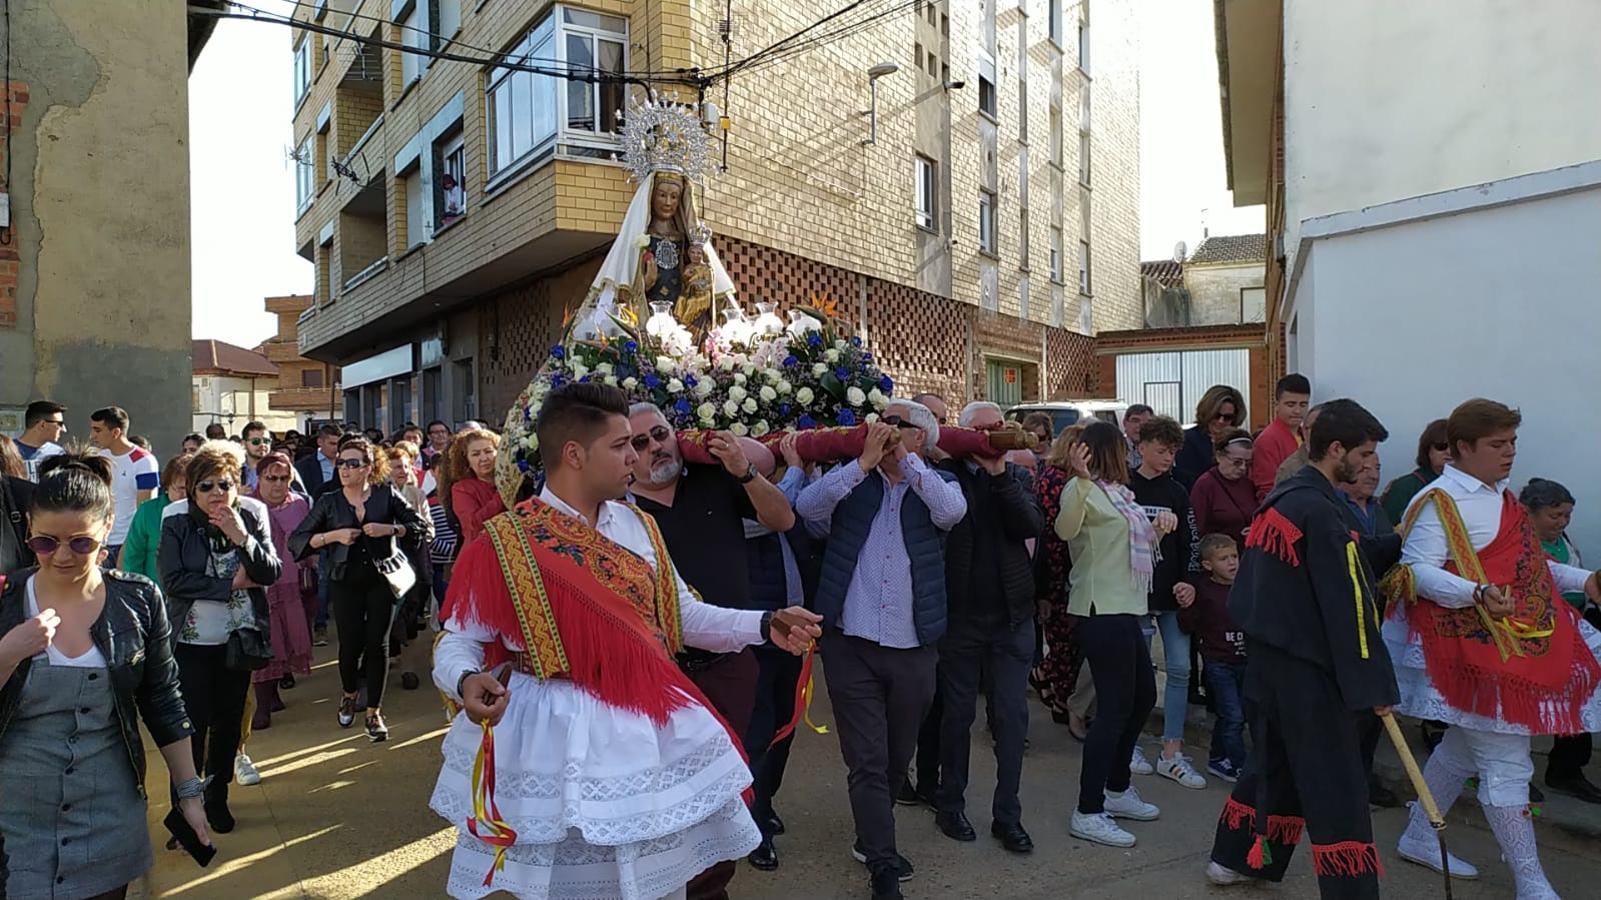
{"x":867,"y":358}
{"x":783,"y":409}
{"x":814,"y":338}
{"x":842,"y":373}
{"x":790,"y":361}
{"x":886,"y":385}
{"x":652,"y":382}
{"x":631,"y":346}
{"x":806,"y":422}
{"x":690,"y":381}
{"x":846,"y":417}
{"x":522,"y":466}
{"x":682,"y":406}
{"x":557,"y":381}
{"x":558,"y":352}
{"x":584,"y":380}
{"x":856,"y":340}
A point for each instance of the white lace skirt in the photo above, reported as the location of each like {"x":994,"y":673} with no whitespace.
{"x":1419,"y":697}
{"x":605,"y":803}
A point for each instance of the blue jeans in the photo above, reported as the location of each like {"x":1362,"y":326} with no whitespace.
{"x":1176,"y":650}
{"x":1227,"y":684}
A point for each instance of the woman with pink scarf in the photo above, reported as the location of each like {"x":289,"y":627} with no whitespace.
{"x":1114,"y":549}
{"x":291,"y":635}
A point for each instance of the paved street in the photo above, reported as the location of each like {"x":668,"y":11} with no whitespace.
{"x":337,"y":817}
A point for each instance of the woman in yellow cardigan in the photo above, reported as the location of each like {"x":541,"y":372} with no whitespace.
{"x":1114,"y":548}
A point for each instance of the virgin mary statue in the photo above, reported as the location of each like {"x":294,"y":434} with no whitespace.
{"x":662,"y":259}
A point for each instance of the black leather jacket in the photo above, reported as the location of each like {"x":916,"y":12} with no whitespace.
{"x":186,"y":549}
{"x":332,"y":511}
{"x":134,"y":636}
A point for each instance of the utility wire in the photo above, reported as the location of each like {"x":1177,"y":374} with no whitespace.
{"x":839,"y":33}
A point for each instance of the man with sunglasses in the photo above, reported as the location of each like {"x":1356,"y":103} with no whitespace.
{"x":45,"y":422}
{"x":258,"y":443}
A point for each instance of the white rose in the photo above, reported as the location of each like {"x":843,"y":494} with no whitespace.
{"x":773,"y":375}
{"x":579,"y":369}
{"x":749,"y":405}
{"x":855,"y":396}
{"x":739,"y":378}
{"x":737,"y":393}
{"x":871,"y":418}
{"x":727,"y":365}
{"x":768,"y":394}
{"x":611,"y":380}
{"x":819,"y":370}
{"x":642,"y":242}
{"x":630,"y":382}
{"x":877,"y":398}
{"x":785,"y":387}
{"x":730,"y":407}
{"x":738,"y":429}
{"x":533,"y":441}
{"x":603,"y":369}
{"x":804,"y":396}
{"x":707,"y":412}
{"x":666,"y":365}
{"x":749,"y":369}
{"x":840,"y":344}
{"x":675,"y":386}
{"x":831,"y":355}
{"x":760,"y":428}
{"x":704,"y":386}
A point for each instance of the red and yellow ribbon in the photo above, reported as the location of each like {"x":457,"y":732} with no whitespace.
{"x":804,"y":688}
{"x":486,"y":814}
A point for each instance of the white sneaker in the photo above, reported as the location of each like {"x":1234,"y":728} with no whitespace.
{"x":1128,"y":805}
{"x":1100,"y":829}
{"x":244,"y":771}
{"x":1139,"y":765}
{"x":1425,"y":851}
{"x":1178,"y":768}
{"x":1223,"y":876}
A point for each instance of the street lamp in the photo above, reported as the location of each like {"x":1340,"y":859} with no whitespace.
{"x":873,"y":75}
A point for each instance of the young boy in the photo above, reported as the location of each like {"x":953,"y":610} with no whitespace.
{"x":1222,"y":646}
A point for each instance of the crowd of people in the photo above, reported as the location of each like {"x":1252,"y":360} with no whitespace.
{"x":638,"y":629}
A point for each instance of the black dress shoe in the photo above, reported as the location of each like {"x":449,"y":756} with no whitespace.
{"x":907,"y":796}
{"x":885,"y":883}
{"x":764,"y":857}
{"x":775,"y":825}
{"x":955,"y":826}
{"x":1012,"y":837}
{"x":1575,"y":786}
{"x":218,"y":816}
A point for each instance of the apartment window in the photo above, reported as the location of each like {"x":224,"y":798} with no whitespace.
{"x":1056,"y":253}
{"x":414,"y":33}
{"x":1084,"y":268}
{"x":1022,"y":110}
{"x":1056,"y":136}
{"x":302,"y":69}
{"x":986,"y":221}
{"x":1084,"y":158}
{"x":417,"y":230}
{"x":917,"y":54}
{"x":447,"y":16}
{"x":1054,"y":14}
{"x":529,"y":112}
{"x":311,"y":378}
{"x":305,"y":176}
{"x":986,"y":97}
{"x":451,"y":204}
{"x":927,"y":193}
{"x":1084,"y":46}
{"x":1022,"y":238}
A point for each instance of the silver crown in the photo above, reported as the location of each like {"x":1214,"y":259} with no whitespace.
{"x":662,"y":136}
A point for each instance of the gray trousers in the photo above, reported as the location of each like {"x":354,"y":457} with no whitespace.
{"x":879,"y":696}
{"x":1006,"y":654}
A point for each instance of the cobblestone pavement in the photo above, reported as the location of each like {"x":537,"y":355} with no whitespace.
{"x":337,"y":817}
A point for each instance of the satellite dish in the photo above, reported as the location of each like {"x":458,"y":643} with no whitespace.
{"x":1180,"y":252}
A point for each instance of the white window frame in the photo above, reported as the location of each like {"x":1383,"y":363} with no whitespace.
{"x":447,"y":148}
{"x":1054,"y":13}
{"x":1084,"y":143}
{"x":419,"y":230}
{"x":444,"y":31}
{"x":988,"y":241}
{"x":1084,"y":285}
{"x":1056,"y":253}
{"x":305,"y":175}
{"x":546,"y":43}
{"x":1022,"y":238}
{"x":926,"y":184}
{"x":1084,"y":46}
{"x":302,"y":69}
{"x":414,"y":32}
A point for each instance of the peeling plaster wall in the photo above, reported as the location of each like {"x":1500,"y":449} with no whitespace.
{"x":100,"y":213}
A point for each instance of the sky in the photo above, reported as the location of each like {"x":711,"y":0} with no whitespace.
{"x":243,"y":186}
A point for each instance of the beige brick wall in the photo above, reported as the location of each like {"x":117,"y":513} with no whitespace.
{"x":1115,"y":165}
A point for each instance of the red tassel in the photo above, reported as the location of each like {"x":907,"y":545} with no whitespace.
{"x":1273,"y":534}
{"x":1236,"y":813}
{"x":1285,"y":830}
{"x":1346,"y":859}
{"x":1259,"y":856}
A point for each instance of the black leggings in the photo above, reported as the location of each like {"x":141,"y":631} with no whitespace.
{"x":1125,"y":694}
{"x":363,"y":608}
{"x":214,"y":698}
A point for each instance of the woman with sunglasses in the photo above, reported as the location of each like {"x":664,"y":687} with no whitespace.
{"x":468,"y":482}
{"x":363,"y":523}
{"x":411,"y":617}
{"x":139,"y":553}
{"x":85,"y":658}
{"x":216,"y":559}
{"x":1434,"y":451}
{"x":1224,"y":499}
{"x":287,"y":597}
{"x":1220,"y":409}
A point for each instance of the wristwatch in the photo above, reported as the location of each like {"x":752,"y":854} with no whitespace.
{"x":767,"y":627}
{"x":750,"y":474}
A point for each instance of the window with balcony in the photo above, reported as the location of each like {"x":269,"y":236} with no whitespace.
{"x":927,"y":175}
{"x":305,"y":176}
{"x":531,"y":114}
{"x":986,"y":221}
{"x":302,"y":69}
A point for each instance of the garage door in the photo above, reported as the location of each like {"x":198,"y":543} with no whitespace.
{"x":1172,"y":382}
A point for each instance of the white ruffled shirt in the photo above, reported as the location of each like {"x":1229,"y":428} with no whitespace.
{"x":708,"y":627}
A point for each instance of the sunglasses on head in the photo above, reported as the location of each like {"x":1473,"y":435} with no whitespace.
{"x":353,"y":463}
{"x":220,"y":484}
{"x":898,"y":422}
{"x":659,"y":434}
{"x":43,"y":545}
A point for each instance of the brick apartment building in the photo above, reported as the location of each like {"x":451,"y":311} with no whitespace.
{"x":307,"y":388}
{"x":981,"y":239}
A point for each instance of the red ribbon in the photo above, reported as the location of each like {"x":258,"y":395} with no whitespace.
{"x":497,"y":834}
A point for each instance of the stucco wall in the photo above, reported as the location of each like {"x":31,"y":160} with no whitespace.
{"x":100,"y":214}
{"x":1215,"y":292}
{"x":1452,"y":308}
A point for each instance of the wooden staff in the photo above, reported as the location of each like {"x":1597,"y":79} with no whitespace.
{"x":1426,"y":798}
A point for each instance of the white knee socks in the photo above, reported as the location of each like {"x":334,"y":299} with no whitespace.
{"x":1445,"y":773}
{"x":1514,"y":829}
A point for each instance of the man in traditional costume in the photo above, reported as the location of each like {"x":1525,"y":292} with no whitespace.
{"x":1307,"y":602}
{"x":1483,"y":641}
{"x":606,"y":774}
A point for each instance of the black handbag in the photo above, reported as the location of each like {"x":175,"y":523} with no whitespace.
{"x":246,"y":651}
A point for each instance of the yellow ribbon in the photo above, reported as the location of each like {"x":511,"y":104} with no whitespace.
{"x":497,"y":833}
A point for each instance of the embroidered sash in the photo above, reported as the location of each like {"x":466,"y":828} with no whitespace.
{"x":1530,"y":668}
